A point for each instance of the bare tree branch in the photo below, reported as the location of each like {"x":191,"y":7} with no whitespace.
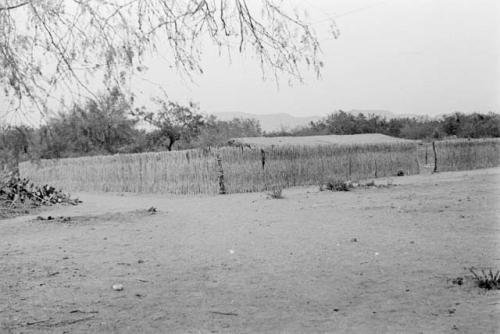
{"x":12,"y":7}
{"x":52,"y":49}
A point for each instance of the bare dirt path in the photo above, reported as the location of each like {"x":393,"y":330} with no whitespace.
{"x":377,"y":260}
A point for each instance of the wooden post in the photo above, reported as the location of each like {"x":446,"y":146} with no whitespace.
{"x":263,"y":157}
{"x":376,"y":171}
{"x":222,"y":187}
{"x":350,"y":168}
{"x":426,"y":162}
{"x":435,"y":157}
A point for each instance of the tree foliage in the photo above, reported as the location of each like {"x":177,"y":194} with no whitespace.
{"x":100,"y":126}
{"x":173,"y":122}
{"x":462,"y":125}
{"x":109,"y":125}
{"x":14,"y":145}
{"x":217,"y":132}
{"x":51,"y":47}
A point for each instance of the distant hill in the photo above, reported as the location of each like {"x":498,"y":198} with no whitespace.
{"x":271,"y":122}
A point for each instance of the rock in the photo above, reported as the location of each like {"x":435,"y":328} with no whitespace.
{"x":118,"y":287}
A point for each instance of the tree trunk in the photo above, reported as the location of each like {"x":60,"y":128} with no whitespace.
{"x":171,"y":142}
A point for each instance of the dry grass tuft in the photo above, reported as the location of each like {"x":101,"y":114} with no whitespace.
{"x":487,"y":279}
{"x":276,"y":192}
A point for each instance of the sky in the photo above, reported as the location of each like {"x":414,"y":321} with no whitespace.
{"x":417,"y":57}
{"x":422,"y":57}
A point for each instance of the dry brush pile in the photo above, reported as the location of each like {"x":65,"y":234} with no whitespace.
{"x":19,"y":195}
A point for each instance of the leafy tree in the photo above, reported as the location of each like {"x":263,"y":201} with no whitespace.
{"x":50,"y":48}
{"x":217,"y":133}
{"x":451,"y":124}
{"x":473,"y":126}
{"x":458,"y":124}
{"x":173,"y":122}
{"x":14,"y":145}
{"x":99,"y":126}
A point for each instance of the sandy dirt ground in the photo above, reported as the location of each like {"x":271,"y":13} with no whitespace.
{"x":378,"y":260}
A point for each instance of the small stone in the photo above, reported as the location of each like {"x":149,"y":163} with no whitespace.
{"x":117,"y":287}
{"x":354,"y":240}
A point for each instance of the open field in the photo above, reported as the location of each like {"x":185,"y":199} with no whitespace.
{"x":197,"y":171}
{"x":361,"y":139}
{"x":377,"y":260}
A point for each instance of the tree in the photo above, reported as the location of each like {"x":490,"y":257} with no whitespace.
{"x":217,"y":132}
{"x":51,"y":47}
{"x":98,"y":126}
{"x":173,"y":122}
{"x":14,"y":144}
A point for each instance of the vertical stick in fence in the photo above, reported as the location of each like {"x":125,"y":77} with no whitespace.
{"x":222,"y":187}
{"x":435,"y":157}
{"x":350,"y":168}
{"x":263,"y":157}
{"x":376,"y":171}
{"x":426,"y":155}
{"x":140,"y":174}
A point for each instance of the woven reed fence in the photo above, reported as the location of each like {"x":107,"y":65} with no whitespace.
{"x":197,"y":172}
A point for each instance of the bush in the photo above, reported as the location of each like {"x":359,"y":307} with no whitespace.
{"x":276,"y":192}
{"x":339,"y":185}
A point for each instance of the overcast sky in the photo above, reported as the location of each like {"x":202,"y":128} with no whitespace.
{"x":406,"y":56}
{"x":424,"y":57}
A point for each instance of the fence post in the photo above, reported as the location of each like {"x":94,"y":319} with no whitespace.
{"x":435,"y":157}
{"x":350,"y":168}
{"x":222,"y":187}
{"x":376,"y":171}
{"x":426,"y":155}
{"x":263,"y":157}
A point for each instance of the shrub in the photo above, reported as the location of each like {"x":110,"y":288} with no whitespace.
{"x":339,"y":185}
{"x":276,"y":192}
